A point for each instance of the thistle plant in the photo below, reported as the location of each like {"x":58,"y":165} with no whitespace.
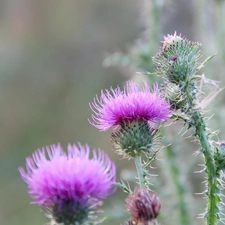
{"x":139,"y":58}
{"x":70,"y":187}
{"x":137,"y":111}
{"x":178,"y":61}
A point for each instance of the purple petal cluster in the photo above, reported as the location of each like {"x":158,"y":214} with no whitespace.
{"x":134,"y":103}
{"x":68,"y":177}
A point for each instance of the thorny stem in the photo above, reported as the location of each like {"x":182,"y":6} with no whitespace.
{"x":198,"y":123}
{"x":210,"y":168}
{"x":174,"y":171}
{"x":138,"y":163}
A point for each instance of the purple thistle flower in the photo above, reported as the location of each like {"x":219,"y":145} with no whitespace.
{"x":135,"y":102}
{"x":71,"y":177}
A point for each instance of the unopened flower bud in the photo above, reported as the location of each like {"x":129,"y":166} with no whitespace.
{"x":178,"y":58}
{"x":175,"y":96}
{"x":144,"y":206}
{"x":171,"y":40}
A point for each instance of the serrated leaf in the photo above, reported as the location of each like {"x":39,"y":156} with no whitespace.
{"x":203,"y":64}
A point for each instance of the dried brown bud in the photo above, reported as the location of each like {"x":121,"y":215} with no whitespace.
{"x":144,"y":206}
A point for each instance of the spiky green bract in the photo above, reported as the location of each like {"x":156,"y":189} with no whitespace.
{"x":178,"y":61}
{"x":70,"y":213}
{"x":134,"y":139}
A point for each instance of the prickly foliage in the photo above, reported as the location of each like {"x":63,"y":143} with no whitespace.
{"x":178,"y":62}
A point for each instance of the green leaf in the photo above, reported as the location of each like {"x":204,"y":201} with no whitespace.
{"x":125,"y":188}
{"x":152,"y":74}
{"x":203,"y":64}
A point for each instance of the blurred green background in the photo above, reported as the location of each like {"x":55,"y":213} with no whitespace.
{"x":51,"y":55}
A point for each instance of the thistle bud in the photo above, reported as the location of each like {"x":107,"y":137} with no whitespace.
{"x":175,"y":96}
{"x":178,"y":59}
{"x":144,"y":206}
{"x":171,"y":40}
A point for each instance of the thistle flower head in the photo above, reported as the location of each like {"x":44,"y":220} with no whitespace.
{"x":69,"y":181}
{"x":133,"y":103}
{"x":178,"y":58}
{"x":171,"y":39}
{"x":144,"y":206}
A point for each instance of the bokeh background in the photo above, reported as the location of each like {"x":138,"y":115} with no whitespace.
{"x":51,"y":67}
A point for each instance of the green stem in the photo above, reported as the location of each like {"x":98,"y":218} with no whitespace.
{"x":155,"y":24}
{"x":199,"y":125}
{"x":138,"y":163}
{"x":154,"y":27}
{"x":180,"y":190}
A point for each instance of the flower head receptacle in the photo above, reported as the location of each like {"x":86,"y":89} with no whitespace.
{"x":135,"y":139}
{"x":143,"y":205}
{"x":132,"y":109}
{"x":69,"y":186}
{"x":178,"y":58}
